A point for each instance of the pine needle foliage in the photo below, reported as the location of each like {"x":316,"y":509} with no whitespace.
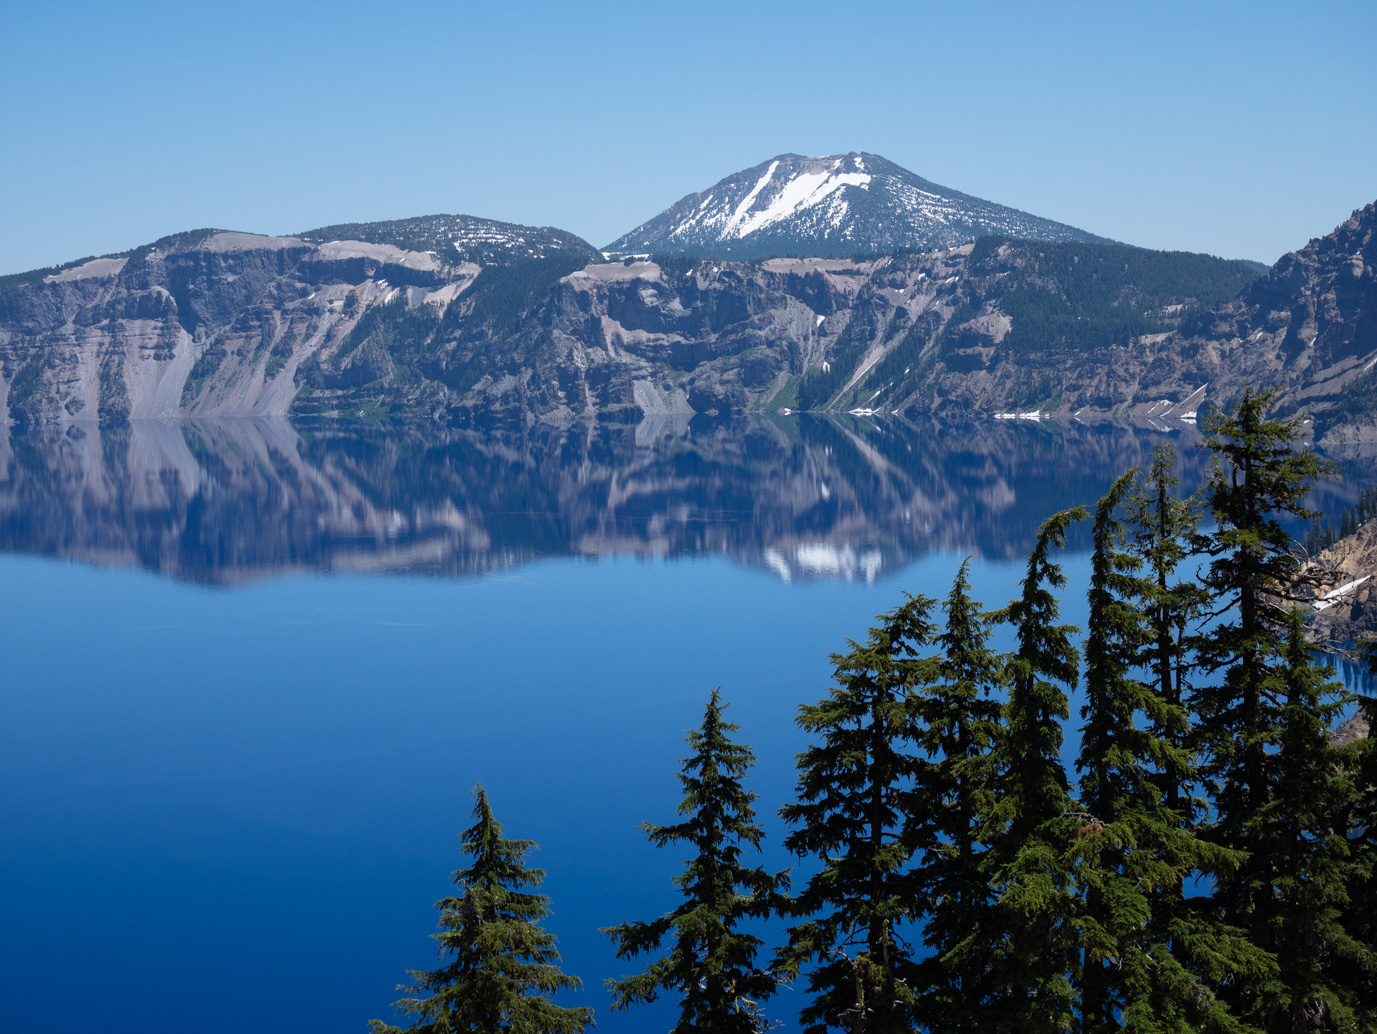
{"x":960,"y":715}
{"x":853,"y":792}
{"x":1360,"y":758}
{"x":711,"y":964}
{"x":1136,"y":849}
{"x":1257,"y":478}
{"x":1162,"y":528}
{"x":503,"y":966}
{"x":1034,"y":821}
{"x":1302,"y":864}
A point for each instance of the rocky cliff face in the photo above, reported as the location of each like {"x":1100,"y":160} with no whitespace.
{"x":1309,"y":325}
{"x":1344,"y":577}
{"x":220,"y":324}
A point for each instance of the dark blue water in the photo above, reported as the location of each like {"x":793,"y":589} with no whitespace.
{"x":232,"y":776}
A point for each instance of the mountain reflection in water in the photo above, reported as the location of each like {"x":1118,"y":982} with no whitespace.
{"x":803,"y":497}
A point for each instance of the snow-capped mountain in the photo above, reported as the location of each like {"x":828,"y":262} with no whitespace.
{"x":834,"y":205}
{"x":459,"y":238}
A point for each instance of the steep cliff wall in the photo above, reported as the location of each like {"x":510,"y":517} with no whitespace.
{"x":225,"y":324}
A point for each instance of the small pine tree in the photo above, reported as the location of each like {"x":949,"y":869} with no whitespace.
{"x":711,"y":964}
{"x":504,"y":967}
{"x":1367,"y":505}
{"x":960,"y":717}
{"x":850,"y":813}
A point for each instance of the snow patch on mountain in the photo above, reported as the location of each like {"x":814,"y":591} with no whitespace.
{"x":459,"y":238}
{"x":806,"y":190}
{"x":830,"y":205}
{"x":733,"y":227}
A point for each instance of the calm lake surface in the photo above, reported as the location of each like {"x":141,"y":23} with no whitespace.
{"x":252,"y":672}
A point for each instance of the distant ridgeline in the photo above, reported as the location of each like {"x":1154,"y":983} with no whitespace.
{"x":900,"y":295}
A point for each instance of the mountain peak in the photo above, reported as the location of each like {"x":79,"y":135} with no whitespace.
{"x":830,"y":205}
{"x":459,"y":238}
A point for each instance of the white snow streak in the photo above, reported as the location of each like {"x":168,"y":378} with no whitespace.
{"x":746,"y":203}
{"x":1334,"y":596}
{"x":805,"y":190}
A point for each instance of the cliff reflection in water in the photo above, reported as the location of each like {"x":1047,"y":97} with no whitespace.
{"x":803,"y":497}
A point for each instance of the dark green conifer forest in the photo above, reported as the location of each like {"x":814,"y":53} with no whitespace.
{"x":1208,"y":862}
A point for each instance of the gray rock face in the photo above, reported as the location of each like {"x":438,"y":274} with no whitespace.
{"x":217,"y":324}
{"x":1356,"y":728}
{"x":834,"y":205}
{"x":1310,"y":324}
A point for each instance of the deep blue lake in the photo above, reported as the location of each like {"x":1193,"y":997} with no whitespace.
{"x":252,"y":673}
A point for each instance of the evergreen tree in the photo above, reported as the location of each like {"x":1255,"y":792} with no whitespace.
{"x":850,"y":813}
{"x":1360,"y":758}
{"x":1301,"y":866}
{"x":504,"y":967}
{"x":711,"y":964}
{"x":1367,"y":505}
{"x":1034,"y":822}
{"x":1257,"y":478}
{"x":1318,"y":537}
{"x":1135,"y":848}
{"x":1162,"y":528}
{"x":960,"y":718}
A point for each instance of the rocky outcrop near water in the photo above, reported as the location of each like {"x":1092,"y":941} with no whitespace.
{"x":1342,"y":578}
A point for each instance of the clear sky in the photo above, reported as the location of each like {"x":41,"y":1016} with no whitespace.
{"x":1238,"y":129}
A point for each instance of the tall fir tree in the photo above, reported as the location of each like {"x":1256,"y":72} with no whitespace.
{"x":504,"y":966}
{"x":1360,"y":758}
{"x":1034,"y":820}
{"x":960,"y":717}
{"x":1302,"y":865}
{"x":1162,"y":527}
{"x":1258,"y":478}
{"x":1140,"y":946}
{"x":1163,"y":535}
{"x":850,"y":813}
{"x":711,"y":963}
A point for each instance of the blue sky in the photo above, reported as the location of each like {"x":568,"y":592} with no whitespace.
{"x":1237,"y":129}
